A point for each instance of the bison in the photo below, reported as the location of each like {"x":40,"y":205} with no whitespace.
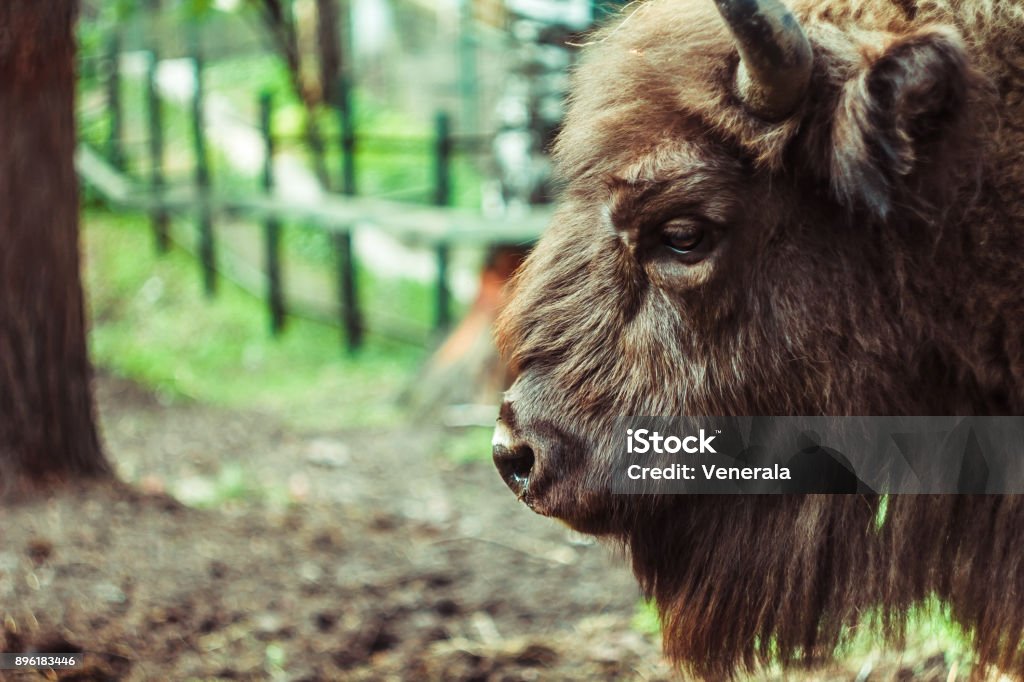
{"x":769,"y":211}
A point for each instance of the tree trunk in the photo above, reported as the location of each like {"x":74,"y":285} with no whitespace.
{"x":47,"y":432}
{"x":284,"y":34}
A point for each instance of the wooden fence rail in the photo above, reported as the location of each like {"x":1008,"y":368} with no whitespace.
{"x":434,"y":228}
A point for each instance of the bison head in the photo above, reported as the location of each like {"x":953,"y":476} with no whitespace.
{"x":764,"y":216}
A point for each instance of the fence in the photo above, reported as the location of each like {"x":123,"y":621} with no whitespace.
{"x":436,"y":227}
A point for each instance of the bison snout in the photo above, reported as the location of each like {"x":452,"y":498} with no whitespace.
{"x":513,"y":455}
{"x":515,"y":465}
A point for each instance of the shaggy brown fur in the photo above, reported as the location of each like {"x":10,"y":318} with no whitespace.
{"x":867,"y":261}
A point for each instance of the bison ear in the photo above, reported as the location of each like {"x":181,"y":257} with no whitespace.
{"x":899,"y":120}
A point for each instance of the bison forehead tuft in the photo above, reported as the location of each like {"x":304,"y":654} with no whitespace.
{"x":885,"y":122}
{"x":664,"y":73}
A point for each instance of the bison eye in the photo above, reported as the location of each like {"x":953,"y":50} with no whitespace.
{"x":687,"y":239}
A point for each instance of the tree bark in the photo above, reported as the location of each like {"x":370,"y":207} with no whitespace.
{"x":280,"y":26}
{"x":47,"y":429}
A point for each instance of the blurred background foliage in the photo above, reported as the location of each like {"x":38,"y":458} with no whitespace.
{"x":388,"y":67}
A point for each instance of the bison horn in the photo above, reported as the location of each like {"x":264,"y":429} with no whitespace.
{"x":775,"y":56}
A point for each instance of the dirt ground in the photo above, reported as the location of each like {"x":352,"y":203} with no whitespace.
{"x":362,"y":555}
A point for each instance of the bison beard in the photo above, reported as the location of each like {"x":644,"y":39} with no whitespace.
{"x":862,"y":256}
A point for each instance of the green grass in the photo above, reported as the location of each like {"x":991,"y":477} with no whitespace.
{"x":645,"y":618}
{"x":930,"y":629}
{"x":152,"y":324}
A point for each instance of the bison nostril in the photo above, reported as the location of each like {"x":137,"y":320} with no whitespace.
{"x":514,"y":465}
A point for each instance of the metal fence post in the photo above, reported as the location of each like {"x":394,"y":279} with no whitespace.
{"x":443,"y":320}
{"x":442,"y":197}
{"x":207,"y":254}
{"x":347,"y":128}
{"x":348,"y":298}
{"x":442,"y":159}
{"x":271,"y":227}
{"x":115,"y":143}
{"x":468,"y":77}
{"x":160,"y":217}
